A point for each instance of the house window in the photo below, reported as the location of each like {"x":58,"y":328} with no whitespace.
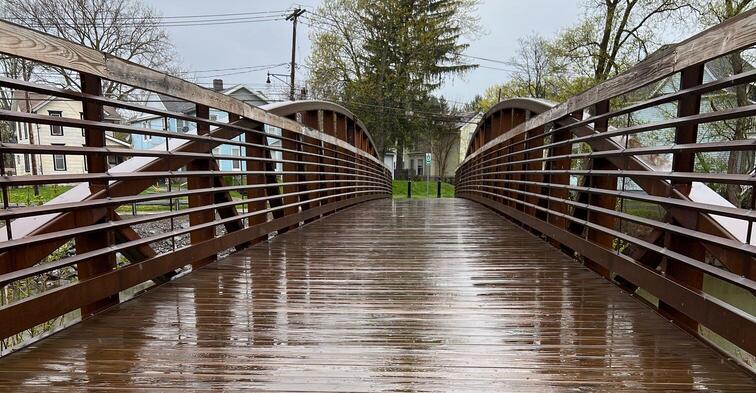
{"x":235,"y":164}
{"x":419,"y":167}
{"x":412,"y":163}
{"x":59,"y":160}
{"x":27,"y":163}
{"x":81,"y":117}
{"x":56,"y":130}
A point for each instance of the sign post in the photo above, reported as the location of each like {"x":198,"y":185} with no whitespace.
{"x":428,"y":160}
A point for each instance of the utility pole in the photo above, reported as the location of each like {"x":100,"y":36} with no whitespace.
{"x":293,"y":18}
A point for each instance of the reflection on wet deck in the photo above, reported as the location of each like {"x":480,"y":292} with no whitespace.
{"x":388,"y":296}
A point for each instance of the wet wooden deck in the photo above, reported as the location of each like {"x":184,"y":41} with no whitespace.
{"x":388,"y":296}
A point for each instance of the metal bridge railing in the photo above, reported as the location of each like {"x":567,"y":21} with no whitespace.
{"x":620,"y":177}
{"x":297,"y":162}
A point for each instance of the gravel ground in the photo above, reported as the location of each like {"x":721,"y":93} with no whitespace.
{"x":164,"y":226}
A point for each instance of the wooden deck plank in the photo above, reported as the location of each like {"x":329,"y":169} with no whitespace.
{"x":388,"y":296}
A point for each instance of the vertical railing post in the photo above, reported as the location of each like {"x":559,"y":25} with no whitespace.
{"x":329,"y":127}
{"x":201,"y":182}
{"x":310,"y":119}
{"x":409,"y":189}
{"x":558,"y":180}
{"x":96,"y":163}
{"x":254,"y":154}
{"x":289,"y":176}
{"x":602,"y":182}
{"x":438,"y":188}
{"x":684,"y":161}
{"x":352,"y":156}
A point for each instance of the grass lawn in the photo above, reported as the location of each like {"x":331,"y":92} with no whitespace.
{"x":419,"y":189}
{"x":25,"y":195}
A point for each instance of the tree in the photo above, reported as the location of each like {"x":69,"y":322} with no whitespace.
{"x":711,"y":13}
{"x":384,"y":59}
{"x":534,"y":67}
{"x":124,"y":28}
{"x":613,"y":36}
{"x":337,"y":40}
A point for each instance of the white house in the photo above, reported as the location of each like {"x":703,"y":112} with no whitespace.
{"x":40,"y":134}
{"x":162,"y":102}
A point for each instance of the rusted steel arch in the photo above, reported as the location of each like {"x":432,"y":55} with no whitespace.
{"x":522,"y":109}
{"x":290,"y":108}
{"x":527,"y":106}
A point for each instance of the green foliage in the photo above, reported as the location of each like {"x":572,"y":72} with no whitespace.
{"x":384,"y":59}
{"x":611,"y":36}
{"x":422,"y":189}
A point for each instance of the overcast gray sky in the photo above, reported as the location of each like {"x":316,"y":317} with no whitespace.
{"x":260,"y":43}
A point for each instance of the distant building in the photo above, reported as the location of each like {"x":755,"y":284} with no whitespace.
{"x":414,"y":158}
{"x":50,"y":164}
{"x":162,"y":102}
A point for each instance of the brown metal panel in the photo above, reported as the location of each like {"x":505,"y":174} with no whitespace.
{"x":91,"y":84}
{"x":258,"y":165}
{"x":685,"y":162}
{"x":605,"y":201}
{"x":289,"y":176}
{"x":341,"y":133}
{"x":329,"y":128}
{"x":534,"y":168}
{"x":310,"y":119}
{"x":194,"y":182}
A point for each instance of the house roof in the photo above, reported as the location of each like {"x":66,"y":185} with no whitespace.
{"x":35,"y":99}
{"x":466,"y":118}
{"x":117,"y":141}
{"x":38,"y":101}
{"x":177,"y":105}
{"x":234,"y":89}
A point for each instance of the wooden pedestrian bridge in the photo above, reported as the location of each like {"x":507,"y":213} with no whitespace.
{"x":578,"y":255}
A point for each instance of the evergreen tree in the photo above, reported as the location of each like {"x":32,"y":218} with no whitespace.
{"x":399,"y":53}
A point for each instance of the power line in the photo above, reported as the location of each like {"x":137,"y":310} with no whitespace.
{"x":263,"y":66}
{"x":488,"y":59}
{"x":178,"y":23}
{"x":164,"y":17}
{"x":241,"y":70}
